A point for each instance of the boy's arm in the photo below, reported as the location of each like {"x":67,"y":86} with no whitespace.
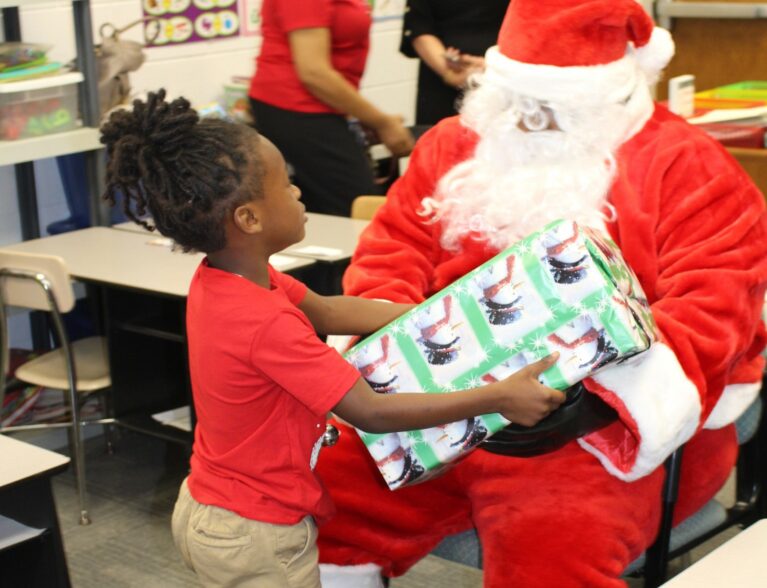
{"x":348,"y":315}
{"x":521,"y":398}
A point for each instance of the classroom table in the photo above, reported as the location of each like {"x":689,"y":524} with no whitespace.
{"x":133,"y":260}
{"x":142,"y":285}
{"x":741,"y":562}
{"x":31,"y":548}
{"x":330,"y":241}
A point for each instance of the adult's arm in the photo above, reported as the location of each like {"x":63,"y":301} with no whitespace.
{"x":433,"y":53}
{"x":420,"y":38}
{"x":397,"y":253}
{"x":697,"y":239}
{"x":310,"y":49}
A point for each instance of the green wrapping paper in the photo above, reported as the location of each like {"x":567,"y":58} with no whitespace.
{"x":565,"y":288}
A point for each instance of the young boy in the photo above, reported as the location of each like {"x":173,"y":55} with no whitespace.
{"x":262,"y":380}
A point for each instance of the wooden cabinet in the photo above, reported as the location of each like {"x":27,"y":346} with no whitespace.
{"x":720,"y":51}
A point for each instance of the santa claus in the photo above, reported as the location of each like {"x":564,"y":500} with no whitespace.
{"x":562,"y":124}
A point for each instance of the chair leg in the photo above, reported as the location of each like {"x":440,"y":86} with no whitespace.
{"x":78,"y":456}
{"x":106,"y":412}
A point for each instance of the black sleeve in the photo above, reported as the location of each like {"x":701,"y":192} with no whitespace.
{"x":419,"y":20}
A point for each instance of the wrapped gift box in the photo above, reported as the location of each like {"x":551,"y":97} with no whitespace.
{"x":565,"y":288}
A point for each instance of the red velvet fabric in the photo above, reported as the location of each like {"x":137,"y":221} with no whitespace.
{"x":693,"y":227}
{"x":566,"y":33}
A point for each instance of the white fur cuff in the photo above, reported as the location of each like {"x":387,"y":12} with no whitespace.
{"x":360,"y":576}
{"x":663,"y":402}
{"x":733,"y":402}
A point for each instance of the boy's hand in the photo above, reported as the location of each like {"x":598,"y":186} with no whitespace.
{"x":525,"y":400}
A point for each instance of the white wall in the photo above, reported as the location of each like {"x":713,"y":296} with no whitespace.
{"x":197,"y":71}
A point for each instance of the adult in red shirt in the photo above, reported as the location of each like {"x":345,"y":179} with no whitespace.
{"x":304,"y":89}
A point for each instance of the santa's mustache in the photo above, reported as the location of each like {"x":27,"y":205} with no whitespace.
{"x":519,"y":180}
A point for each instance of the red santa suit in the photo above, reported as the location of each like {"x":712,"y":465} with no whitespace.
{"x":692,"y":226}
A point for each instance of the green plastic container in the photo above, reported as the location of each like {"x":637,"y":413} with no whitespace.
{"x":748,"y":90}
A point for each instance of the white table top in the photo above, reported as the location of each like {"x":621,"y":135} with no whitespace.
{"x":140,"y":260}
{"x":19,"y":460}
{"x":328,"y":238}
{"x":739,"y":563}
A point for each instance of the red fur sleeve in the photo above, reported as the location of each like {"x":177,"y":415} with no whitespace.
{"x":396,"y":255}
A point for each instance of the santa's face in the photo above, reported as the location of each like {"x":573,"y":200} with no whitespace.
{"x":535,"y":162}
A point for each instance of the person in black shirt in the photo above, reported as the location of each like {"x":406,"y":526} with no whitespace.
{"x":450,"y":37}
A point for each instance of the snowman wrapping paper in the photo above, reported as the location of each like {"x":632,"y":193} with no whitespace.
{"x":565,"y":288}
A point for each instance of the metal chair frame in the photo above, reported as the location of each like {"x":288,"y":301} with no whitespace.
{"x":75,"y":423}
{"x":750,"y":500}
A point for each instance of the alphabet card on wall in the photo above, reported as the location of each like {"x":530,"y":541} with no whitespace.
{"x":189,"y":21}
{"x":565,"y":288}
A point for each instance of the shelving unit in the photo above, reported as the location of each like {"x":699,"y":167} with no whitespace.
{"x":714,"y":41}
{"x":23,"y":152}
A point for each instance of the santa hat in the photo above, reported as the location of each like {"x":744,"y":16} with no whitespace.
{"x":592,"y":50}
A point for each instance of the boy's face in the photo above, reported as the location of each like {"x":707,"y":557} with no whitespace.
{"x":283,"y":214}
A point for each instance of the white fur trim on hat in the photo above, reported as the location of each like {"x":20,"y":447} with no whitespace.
{"x":663,"y":402}
{"x":733,"y":402}
{"x":654,"y":56}
{"x":578,"y":84}
{"x":359,"y":576}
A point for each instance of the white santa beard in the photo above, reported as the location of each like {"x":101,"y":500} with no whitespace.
{"x":476,"y":198}
{"x":519,"y":181}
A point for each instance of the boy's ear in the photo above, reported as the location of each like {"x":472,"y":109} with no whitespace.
{"x":248,"y":218}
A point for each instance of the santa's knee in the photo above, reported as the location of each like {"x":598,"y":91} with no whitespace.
{"x":568,"y":552}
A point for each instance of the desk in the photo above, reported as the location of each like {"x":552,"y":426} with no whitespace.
{"x":26,"y":497}
{"x":133,"y":260}
{"x":330,"y":241}
{"x":143,"y":285}
{"x":328,"y":238}
{"x":739,"y":563}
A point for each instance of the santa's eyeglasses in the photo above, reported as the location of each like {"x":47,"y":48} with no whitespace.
{"x":534,"y":115}
{"x":540,"y":115}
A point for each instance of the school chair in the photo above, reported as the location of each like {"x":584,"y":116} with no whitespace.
{"x":713,"y":518}
{"x":365,"y":207}
{"x":79,"y":368}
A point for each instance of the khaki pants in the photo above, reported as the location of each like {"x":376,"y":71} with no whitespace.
{"x":227,"y":550}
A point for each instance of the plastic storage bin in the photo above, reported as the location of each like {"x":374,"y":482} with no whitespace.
{"x":39,"y":106}
{"x":748,"y":90}
{"x":236,"y":101}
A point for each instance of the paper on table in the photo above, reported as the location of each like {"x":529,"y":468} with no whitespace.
{"x":180,"y":418}
{"x":13,"y":532}
{"x":317,"y":251}
{"x":726,"y":114}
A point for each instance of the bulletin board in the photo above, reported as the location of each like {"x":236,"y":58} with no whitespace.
{"x":191,"y":21}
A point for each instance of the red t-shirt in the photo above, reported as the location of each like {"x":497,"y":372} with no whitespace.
{"x":276,"y":81}
{"x":263,"y":383}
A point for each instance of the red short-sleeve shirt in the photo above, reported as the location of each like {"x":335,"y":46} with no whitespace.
{"x":263,"y":383}
{"x":276,"y":81}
